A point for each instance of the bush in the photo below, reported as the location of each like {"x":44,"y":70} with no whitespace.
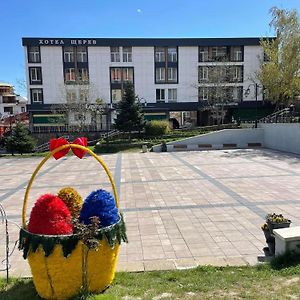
{"x":156,"y":128}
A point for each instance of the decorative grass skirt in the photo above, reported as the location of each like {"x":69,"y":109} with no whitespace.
{"x":62,"y":265}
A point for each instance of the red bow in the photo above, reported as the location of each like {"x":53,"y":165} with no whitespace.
{"x":55,"y":143}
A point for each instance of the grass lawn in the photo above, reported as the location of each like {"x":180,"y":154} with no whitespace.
{"x":260,"y":282}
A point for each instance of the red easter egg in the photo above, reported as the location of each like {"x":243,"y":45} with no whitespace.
{"x":50,"y":216}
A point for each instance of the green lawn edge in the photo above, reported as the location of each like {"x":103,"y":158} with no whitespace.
{"x":205,"y":282}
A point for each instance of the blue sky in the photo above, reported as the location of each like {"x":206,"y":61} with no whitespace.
{"x":126,"y":18}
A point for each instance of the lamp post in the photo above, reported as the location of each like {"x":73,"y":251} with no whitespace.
{"x":247,"y":92}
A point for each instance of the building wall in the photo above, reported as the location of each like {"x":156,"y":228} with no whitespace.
{"x":252,"y":54}
{"x":283,"y":137}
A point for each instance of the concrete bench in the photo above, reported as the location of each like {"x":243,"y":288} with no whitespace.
{"x":287,"y":239}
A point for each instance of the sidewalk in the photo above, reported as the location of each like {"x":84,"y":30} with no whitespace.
{"x":182,"y":209}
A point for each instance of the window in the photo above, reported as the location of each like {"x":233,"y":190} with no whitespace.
{"x":83,"y":74}
{"x":219,"y":53}
{"x":172,"y":94}
{"x":127,"y":54}
{"x":22,"y":109}
{"x":172,"y":54}
{"x":8,"y":110}
{"x":70,"y":75}
{"x":84,"y":95}
{"x":115,"y":54}
{"x":35,"y":74}
{"x":36,"y":95}
{"x":236,"y":53}
{"x":203,"y":93}
{"x":237,"y":74}
{"x":68,"y":54}
{"x":71,"y":96}
{"x":116,"y":75}
{"x":203,"y":54}
{"x":237,"y":93}
{"x":160,"y":74}
{"x":128,"y":75}
{"x":34,"y":54}
{"x":172,"y":74}
{"x":116,"y":95}
{"x":160,"y":54}
{"x":203,"y":74}
{"x":81,"y":54}
{"x":160,"y":95}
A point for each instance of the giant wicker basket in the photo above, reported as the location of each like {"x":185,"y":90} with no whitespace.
{"x":62,"y":265}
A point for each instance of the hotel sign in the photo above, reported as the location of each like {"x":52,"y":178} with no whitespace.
{"x":75,"y":42}
{"x":60,"y":42}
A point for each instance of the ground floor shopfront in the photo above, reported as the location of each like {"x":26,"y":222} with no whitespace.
{"x":42,"y":118}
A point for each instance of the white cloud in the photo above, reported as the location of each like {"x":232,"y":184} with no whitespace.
{"x":139,"y":10}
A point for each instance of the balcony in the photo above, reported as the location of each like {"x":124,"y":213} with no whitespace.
{"x":9,"y":99}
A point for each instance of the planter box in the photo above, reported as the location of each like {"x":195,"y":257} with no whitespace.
{"x":273,"y":225}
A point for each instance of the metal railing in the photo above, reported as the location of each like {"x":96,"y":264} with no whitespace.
{"x":286,"y":115}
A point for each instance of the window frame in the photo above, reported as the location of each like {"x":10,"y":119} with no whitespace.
{"x":173,"y":71}
{"x":32,"y":101}
{"x":65,"y":75}
{"x":115,"y":94}
{"x":81,"y":77}
{"x":160,"y":95}
{"x":203,"y":90}
{"x":172,"y":55}
{"x":115,"y":55}
{"x":127,"y":55}
{"x":35,"y":81}
{"x":174,"y":92}
{"x":160,"y":56}
{"x":70,"y":54}
{"x":34,"y":54}
{"x":82,"y":54}
{"x":160,"y":74}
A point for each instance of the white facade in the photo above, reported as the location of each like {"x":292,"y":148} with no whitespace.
{"x":167,"y":95}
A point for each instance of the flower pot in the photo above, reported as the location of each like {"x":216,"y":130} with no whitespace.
{"x":274,"y":225}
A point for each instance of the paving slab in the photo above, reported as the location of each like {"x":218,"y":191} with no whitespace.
{"x":182,"y":209}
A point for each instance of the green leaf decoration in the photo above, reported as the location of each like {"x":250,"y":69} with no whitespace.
{"x":31,"y":242}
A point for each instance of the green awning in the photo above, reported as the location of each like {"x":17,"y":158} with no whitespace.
{"x":48,"y":120}
{"x":155,"y":116}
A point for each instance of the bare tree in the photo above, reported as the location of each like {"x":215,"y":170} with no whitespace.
{"x":80,"y":106}
{"x":220,"y":86}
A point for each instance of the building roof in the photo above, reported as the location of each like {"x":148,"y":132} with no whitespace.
{"x":5,"y":84}
{"x":143,"y":42}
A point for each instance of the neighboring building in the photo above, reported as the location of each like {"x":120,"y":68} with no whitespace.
{"x":12,"y":108}
{"x":171,"y":76}
{"x":10,"y":103}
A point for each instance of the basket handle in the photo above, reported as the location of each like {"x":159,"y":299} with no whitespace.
{"x":50,"y":154}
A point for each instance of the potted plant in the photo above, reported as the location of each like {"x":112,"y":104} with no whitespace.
{"x":276,"y":221}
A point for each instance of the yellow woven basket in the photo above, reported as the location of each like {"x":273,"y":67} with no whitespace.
{"x":58,"y":277}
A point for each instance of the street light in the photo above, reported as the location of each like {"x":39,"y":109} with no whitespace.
{"x":247,"y":92}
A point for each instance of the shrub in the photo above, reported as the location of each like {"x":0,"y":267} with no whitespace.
{"x":156,"y":128}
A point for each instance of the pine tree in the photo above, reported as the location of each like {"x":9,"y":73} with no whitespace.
{"x":130,"y":116}
{"x":19,"y":141}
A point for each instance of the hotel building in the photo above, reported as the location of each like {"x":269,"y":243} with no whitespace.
{"x":171,"y":76}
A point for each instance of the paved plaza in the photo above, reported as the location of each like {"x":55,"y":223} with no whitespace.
{"x":182,"y":209}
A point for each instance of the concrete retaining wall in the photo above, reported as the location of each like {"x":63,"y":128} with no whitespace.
{"x":283,"y":137}
{"x":227,"y":138}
